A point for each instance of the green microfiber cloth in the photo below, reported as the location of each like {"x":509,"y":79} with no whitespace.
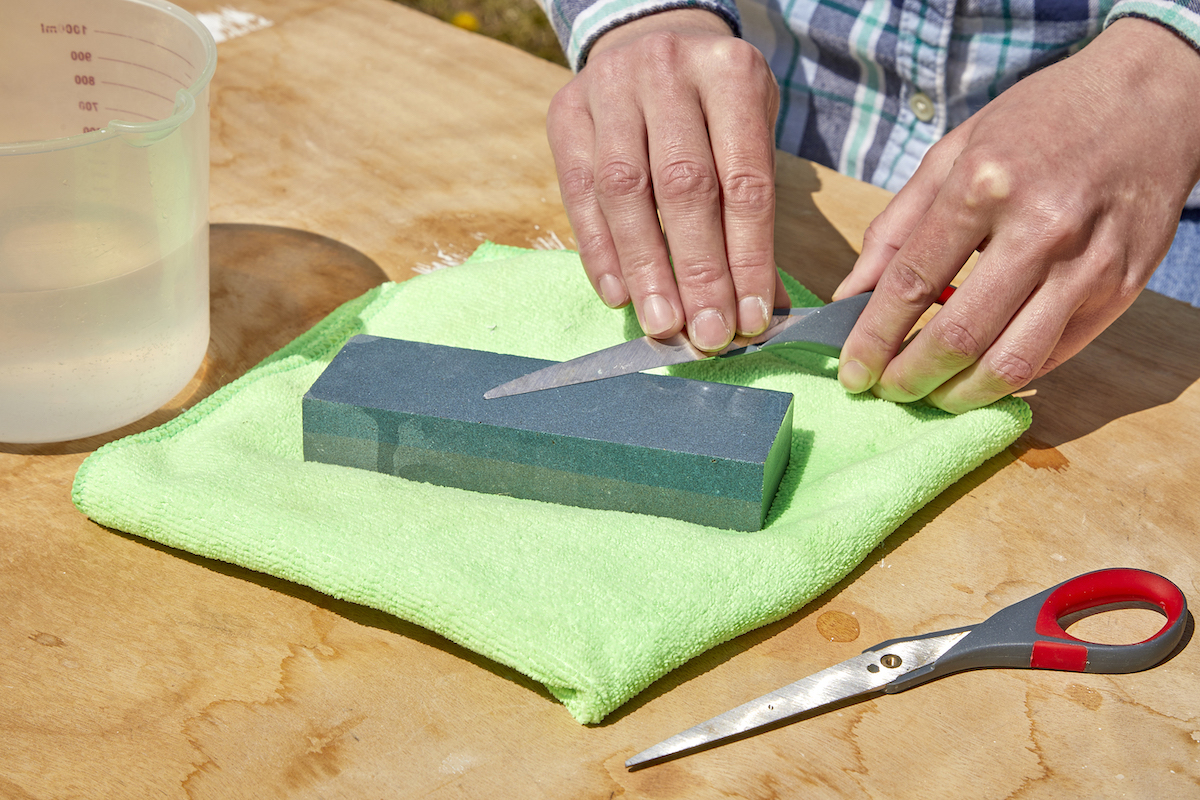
{"x":596,"y":605}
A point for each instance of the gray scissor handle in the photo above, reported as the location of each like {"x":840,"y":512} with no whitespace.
{"x":1031,"y":635}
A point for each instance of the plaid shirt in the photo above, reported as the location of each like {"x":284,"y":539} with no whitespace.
{"x":867,"y":86}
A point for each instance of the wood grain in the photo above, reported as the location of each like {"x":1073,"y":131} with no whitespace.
{"x":358,"y":141}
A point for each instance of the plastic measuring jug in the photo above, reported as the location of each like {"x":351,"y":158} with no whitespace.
{"x":103,"y":212}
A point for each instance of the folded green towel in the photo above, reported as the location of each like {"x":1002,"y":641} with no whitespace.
{"x":594,"y":604}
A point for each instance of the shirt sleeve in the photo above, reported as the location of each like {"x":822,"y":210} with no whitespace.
{"x":579,"y":23}
{"x":1181,"y":16}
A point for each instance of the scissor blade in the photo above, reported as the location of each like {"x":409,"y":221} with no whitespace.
{"x":856,"y":676}
{"x":622,"y":359}
{"x":633,"y":356}
{"x":823,"y":329}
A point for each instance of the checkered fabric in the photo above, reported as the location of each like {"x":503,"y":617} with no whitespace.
{"x":867,"y":86}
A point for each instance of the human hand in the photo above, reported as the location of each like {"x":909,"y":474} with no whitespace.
{"x":664,"y":145}
{"x":1070,"y":186}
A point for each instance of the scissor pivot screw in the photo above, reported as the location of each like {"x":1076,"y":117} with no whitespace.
{"x":891,"y":661}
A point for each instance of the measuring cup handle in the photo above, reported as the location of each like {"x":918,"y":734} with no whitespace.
{"x":1094,"y":592}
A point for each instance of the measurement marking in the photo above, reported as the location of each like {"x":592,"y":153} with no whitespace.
{"x":137,"y":89}
{"x":147,"y":41}
{"x":131,"y":113}
{"x":143,"y":66}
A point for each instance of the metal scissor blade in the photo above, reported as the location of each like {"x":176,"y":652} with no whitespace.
{"x":863,"y":674}
{"x":823,"y":329}
{"x":632,"y":356}
{"x":622,"y":359}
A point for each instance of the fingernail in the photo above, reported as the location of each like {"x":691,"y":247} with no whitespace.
{"x":854,"y":377}
{"x":657,"y":315}
{"x":837,"y":293}
{"x":709,"y":330}
{"x":753,"y":315}
{"x":612,"y":291}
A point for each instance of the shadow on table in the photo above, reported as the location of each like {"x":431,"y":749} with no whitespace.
{"x":807,"y":245}
{"x":268,"y":285}
{"x":1147,"y":358}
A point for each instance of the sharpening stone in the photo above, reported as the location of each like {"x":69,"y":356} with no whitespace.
{"x":709,"y":453}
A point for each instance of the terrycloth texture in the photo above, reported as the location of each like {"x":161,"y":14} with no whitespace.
{"x":594,"y":604}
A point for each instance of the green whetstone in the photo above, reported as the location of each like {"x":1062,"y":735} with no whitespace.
{"x":704,"y":452}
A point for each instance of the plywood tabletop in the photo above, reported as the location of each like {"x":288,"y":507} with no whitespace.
{"x":356,"y":141}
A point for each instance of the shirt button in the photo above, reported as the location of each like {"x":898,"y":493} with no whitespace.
{"x":922,"y":106}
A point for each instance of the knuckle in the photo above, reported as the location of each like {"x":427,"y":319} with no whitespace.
{"x":576,"y":183}
{"x":899,"y":388}
{"x":594,"y":244}
{"x":990,"y":181}
{"x":701,"y":271}
{"x":877,"y":237}
{"x":1052,"y":363}
{"x":686,"y":179}
{"x":751,"y":261}
{"x":873,"y":236}
{"x":605,"y":69}
{"x":1010,"y":371}
{"x":985,"y":175}
{"x":747,"y":189}
{"x":565,"y":102}
{"x":956,"y":338}
{"x":1057,"y":228}
{"x":621,"y":178}
{"x":871,"y":339}
{"x":739,"y":57}
{"x":662,"y":51}
{"x":909,"y":283}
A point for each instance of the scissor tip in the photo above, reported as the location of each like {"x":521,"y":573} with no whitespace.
{"x":651,"y":757}
{"x":637,"y":762}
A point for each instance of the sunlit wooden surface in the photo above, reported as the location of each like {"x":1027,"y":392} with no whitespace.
{"x":356,"y":142}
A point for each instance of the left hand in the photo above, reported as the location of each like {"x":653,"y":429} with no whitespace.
{"x":1070,"y":186}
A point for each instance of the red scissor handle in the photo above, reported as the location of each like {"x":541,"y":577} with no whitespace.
{"x":1093,"y":592}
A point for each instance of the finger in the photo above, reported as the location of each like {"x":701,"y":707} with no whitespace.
{"x":976,"y":323}
{"x":1019,"y":355}
{"x":741,"y":122}
{"x":895,"y":224}
{"x":688,"y":193}
{"x":571,"y":134}
{"x":625,"y":195}
{"x":923,"y":266}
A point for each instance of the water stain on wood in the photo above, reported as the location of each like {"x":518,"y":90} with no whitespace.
{"x":1085,"y":696}
{"x":837,"y":626}
{"x":48,"y":640}
{"x":301,"y":734}
{"x":1035,"y":453}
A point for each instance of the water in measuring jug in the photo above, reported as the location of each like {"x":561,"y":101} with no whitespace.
{"x":85,"y":358}
{"x":103,"y":212}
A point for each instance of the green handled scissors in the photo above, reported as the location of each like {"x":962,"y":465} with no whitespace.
{"x":1030,"y":634}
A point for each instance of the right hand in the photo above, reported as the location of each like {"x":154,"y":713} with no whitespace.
{"x":673,"y":119}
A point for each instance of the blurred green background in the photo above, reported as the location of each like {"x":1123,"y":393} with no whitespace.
{"x":518,"y":22}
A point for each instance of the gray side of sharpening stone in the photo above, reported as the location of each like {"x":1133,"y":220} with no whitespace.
{"x":703,"y":452}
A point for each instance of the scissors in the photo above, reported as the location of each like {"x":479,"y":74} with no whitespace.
{"x":821,"y":329}
{"x":1030,"y":634}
